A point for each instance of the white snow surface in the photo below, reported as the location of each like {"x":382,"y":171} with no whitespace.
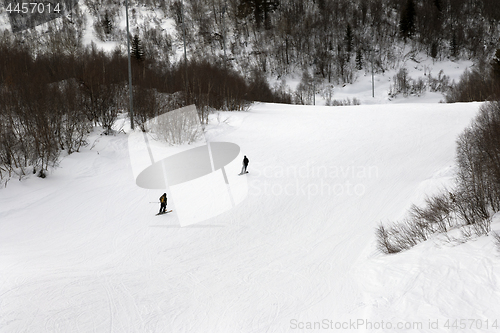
{"x":82,"y":250}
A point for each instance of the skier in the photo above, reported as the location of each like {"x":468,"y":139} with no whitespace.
{"x":245,"y":165}
{"x":163,"y":203}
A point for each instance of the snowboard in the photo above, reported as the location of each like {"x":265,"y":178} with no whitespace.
{"x":242,"y":173}
{"x":167,"y":211}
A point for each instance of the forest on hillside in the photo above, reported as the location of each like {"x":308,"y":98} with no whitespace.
{"x":55,"y":83}
{"x":334,"y":38}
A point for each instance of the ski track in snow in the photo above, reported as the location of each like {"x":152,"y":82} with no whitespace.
{"x":91,"y":256}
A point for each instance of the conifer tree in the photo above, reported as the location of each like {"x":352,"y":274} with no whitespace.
{"x":359,"y":60}
{"x":495,"y":65}
{"x":107,"y":24}
{"x":407,"y":21}
{"x":348,"y":39}
{"x":454,"y":46}
{"x":260,"y":9}
{"x":495,"y":73}
{"x":137,"y":50}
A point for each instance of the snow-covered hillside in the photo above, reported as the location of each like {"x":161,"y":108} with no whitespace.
{"x":161,"y":39}
{"x":82,"y":250}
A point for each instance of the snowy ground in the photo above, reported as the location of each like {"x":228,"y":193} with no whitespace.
{"x":82,"y":251}
{"x":419,"y":67}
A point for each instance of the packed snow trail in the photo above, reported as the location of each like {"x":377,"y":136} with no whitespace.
{"x":82,"y":251}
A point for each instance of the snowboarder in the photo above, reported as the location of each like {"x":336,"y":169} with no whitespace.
{"x":245,"y":165}
{"x":163,"y":203}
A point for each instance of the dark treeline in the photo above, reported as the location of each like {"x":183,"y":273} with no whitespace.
{"x":92,"y":68}
{"x":50,"y":101}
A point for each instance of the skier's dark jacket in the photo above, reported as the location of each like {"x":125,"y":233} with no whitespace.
{"x":163,"y":199}
{"x":245,"y":161}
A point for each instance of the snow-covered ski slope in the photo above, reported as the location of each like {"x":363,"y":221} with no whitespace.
{"x":82,"y":250}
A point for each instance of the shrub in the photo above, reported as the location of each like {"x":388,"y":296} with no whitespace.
{"x":404,"y":84}
{"x":440,"y":84}
{"x":474,"y":85}
{"x":401,"y":236}
{"x":345,"y":102}
{"x":384,"y":245}
{"x":181,"y":126}
{"x":306,"y":90}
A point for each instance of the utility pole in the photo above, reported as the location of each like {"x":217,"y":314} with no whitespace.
{"x":129,"y":71}
{"x":373,"y":78}
{"x":314,"y":92}
{"x":224,"y":46}
{"x":224,"y":33}
{"x":314,"y":80}
{"x":185,"y":55}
